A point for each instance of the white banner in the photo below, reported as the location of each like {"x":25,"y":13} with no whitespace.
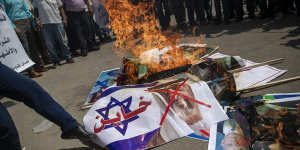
{"x":12,"y":53}
{"x":136,"y":117}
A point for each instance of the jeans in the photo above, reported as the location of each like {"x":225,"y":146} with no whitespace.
{"x":21,"y":88}
{"x":79,"y":24}
{"x":28,"y":40}
{"x":55,"y":38}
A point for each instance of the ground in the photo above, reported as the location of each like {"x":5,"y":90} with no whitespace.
{"x":257,"y":40}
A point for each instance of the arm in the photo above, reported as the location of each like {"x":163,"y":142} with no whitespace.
{"x":63,"y":15}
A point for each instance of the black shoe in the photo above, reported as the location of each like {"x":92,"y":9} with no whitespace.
{"x":69,"y":60}
{"x":84,"y":52}
{"x":55,"y":64}
{"x":93,"y":48}
{"x":80,"y":134}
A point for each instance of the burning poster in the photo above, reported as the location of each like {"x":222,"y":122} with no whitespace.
{"x":272,"y":121}
{"x":106,"y":79}
{"x":144,"y":116}
{"x":232,"y":134}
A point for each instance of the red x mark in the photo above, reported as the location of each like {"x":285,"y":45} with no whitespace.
{"x":174,"y":93}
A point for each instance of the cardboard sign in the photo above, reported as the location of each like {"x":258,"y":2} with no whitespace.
{"x":12,"y":53}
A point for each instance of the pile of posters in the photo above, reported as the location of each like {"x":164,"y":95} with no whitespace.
{"x":144,"y":116}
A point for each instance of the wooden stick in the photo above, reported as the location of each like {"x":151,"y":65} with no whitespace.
{"x":192,"y":77}
{"x":274,"y":61}
{"x":202,"y":59}
{"x":266,"y":85}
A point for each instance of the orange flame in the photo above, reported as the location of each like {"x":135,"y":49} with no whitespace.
{"x":137,"y":31}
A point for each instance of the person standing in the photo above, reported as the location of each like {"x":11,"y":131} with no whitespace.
{"x":23,"y":22}
{"x":78,"y":23}
{"x":53,"y":20}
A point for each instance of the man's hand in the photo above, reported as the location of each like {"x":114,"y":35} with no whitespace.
{"x":65,"y":22}
{"x":18,"y":31}
{"x":90,"y":9}
{"x":38,"y":25}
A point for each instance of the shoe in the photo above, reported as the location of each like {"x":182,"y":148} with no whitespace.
{"x":84,"y":52}
{"x":34,"y":74}
{"x":69,"y":60}
{"x":42,"y":69}
{"x":55,"y":64}
{"x":80,"y":134}
{"x":93,"y":48}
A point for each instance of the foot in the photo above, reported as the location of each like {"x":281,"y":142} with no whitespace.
{"x":93,"y":48}
{"x":34,"y":74}
{"x":69,"y":60}
{"x":42,"y":69}
{"x":80,"y":134}
{"x":84,"y":52}
{"x":55,"y":64}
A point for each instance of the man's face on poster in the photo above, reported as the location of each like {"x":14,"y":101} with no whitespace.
{"x":185,"y":109}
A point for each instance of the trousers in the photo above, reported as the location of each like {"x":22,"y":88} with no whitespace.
{"x":23,"y":89}
{"x":56,"y":39}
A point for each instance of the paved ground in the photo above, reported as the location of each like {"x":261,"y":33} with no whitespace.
{"x":70,"y":84}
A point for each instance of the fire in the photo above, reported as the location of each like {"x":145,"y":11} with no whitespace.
{"x":137,"y":31}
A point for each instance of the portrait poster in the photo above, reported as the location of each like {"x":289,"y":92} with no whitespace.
{"x":106,"y":79}
{"x":141,"y":116}
{"x":12,"y":53}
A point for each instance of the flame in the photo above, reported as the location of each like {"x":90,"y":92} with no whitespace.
{"x":137,"y":31}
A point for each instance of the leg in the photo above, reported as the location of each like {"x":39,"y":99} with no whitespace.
{"x":158,"y":8}
{"x":199,"y":8}
{"x":263,"y":8}
{"x":24,"y":38}
{"x":9,"y":137}
{"x":208,"y":9}
{"x":34,"y":50}
{"x":43,"y":48}
{"x":218,"y":10}
{"x":297,"y":2}
{"x":48,"y":34}
{"x":238,"y":7}
{"x":23,"y":89}
{"x":227,"y":10}
{"x":191,"y":11}
{"x":250,"y":8}
{"x":62,"y":41}
{"x":85,"y":21}
{"x":76,"y":29}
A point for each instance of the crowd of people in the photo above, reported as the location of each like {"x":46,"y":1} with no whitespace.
{"x":199,"y":12}
{"x":52,"y":30}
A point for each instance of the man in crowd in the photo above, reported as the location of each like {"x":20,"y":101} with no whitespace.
{"x":53,"y":19}
{"x":23,"y":21}
{"x":78,"y":23}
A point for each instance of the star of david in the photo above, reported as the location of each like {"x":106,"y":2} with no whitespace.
{"x":104,"y":112}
